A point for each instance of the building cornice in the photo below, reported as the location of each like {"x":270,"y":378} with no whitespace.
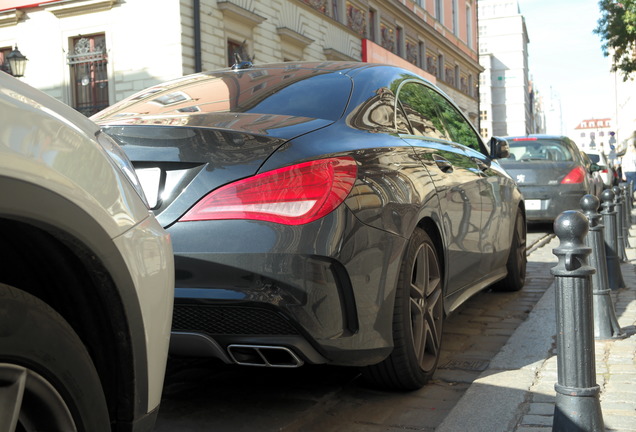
{"x":10,"y":17}
{"x":293,"y":37}
{"x":239,"y":13}
{"x":79,"y":7}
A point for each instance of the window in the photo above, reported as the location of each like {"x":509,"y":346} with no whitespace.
{"x":582,"y":134}
{"x":456,"y":81}
{"x":421,"y":111}
{"x":440,"y":66}
{"x":88,"y":65}
{"x":372,"y":25}
{"x":431,"y":115}
{"x":439,"y":11}
{"x":399,"y":36}
{"x":483,"y":115}
{"x":457,"y":126}
{"x":469,"y":27}
{"x":236,"y":52}
{"x":4,"y":64}
{"x":455,"y":17}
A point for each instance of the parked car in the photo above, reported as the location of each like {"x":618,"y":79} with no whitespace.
{"x":87,"y":275}
{"x":606,"y":172}
{"x":321,"y":213}
{"x":551,"y":172}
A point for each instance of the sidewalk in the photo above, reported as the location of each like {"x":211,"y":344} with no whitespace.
{"x":516,"y":393}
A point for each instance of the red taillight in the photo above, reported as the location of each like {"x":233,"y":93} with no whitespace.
{"x":525,"y":139}
{"x":293,"y":195}
{"x":577,"y":175}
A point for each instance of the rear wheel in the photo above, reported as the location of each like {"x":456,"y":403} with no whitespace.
{"x":47,"y":378}
{"x":517,"y":260}
{"x":417,"y":320}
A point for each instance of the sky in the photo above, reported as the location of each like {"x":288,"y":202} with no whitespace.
{"x":566,"y":59}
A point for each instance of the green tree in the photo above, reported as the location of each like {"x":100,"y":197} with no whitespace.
{"x":617,"y":29}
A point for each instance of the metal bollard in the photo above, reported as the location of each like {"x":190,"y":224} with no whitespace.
{"x":578,"y":407}
{"x":614,"y":273}
{"x":629,"y":206}
{"x":605,"y":322}
{"x":620,"y":240}
{"x":624,"y":216}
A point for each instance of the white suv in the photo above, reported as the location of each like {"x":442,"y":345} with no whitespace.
{"x":86,"y":275}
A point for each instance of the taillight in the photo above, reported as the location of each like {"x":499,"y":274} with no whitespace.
{"x":577,"y":175}
{"x":292,"y":195}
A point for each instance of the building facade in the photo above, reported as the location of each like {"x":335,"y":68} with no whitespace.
{"x":506,"y":96}
{"x":93,"y":53}
{"x":595,"y":134}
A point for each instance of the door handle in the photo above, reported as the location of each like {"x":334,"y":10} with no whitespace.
{"x":443,"y":163}
{"x":481,"y":164}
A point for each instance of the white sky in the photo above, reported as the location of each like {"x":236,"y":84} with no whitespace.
{"x":565,"y":57}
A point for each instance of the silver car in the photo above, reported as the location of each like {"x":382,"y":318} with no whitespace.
{"x":87,"y":275}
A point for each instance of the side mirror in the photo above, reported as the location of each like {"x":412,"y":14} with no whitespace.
{"x":499,"y":148}
{"x":595,"y":167}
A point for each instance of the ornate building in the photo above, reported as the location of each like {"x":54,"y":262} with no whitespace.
{"x":92,"y":53}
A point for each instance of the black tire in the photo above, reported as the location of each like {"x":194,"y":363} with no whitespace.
{"x":47,"y":378}
{"x":517,"y":260}
{"x":417,"y":320}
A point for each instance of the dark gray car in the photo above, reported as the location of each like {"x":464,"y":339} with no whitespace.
{"x":321,"y":213}
{"x":551,"y":172}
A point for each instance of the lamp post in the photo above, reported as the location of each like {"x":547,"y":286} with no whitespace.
{"x":16,"y":62}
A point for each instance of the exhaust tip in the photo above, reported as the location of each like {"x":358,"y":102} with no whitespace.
{"x":264,"y":356}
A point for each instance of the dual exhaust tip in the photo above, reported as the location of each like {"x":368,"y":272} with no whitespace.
{"x":263,"y":355}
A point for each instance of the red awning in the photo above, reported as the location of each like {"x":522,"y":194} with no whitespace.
{"x":21,"y":4}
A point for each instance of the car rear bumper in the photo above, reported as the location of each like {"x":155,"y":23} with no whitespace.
{"x":323,"y":291}
{"x":544,"y":204}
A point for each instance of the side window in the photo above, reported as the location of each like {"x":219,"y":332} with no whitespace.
{"x":458,"y":127}
{"x":421,"y":111}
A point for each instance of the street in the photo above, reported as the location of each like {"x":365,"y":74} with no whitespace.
{"x":206,"y":395}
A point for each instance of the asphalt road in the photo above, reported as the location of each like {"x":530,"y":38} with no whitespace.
{"x":204,"y":395}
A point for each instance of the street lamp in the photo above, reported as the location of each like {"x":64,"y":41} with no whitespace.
{"x":17,"y":62}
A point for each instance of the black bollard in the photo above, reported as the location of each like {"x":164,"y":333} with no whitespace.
{"x":605,"y":322}
{"x":614,"y":273}
{"x":624,"y":216}
{"x":578,"y":407}
{"x":620,"y":240}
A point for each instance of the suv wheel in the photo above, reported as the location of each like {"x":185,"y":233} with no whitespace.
{"x":47,"y":378}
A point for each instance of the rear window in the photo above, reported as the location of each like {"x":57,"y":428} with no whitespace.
{"x":313,"y":93}
{"x":550,"y":150}
{"x":594,"y":158}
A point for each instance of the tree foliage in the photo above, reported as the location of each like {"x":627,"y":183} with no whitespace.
{"x":617,"y":29}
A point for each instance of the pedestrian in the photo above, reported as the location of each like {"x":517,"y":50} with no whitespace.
{"x":628,"y":164}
